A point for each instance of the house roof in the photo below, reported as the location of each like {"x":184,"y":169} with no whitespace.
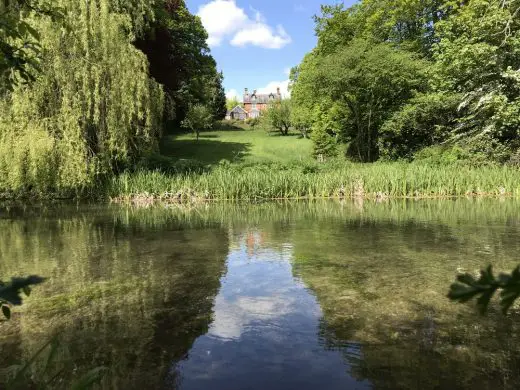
{"x":259,"y":98}
{"x":237,"y":109}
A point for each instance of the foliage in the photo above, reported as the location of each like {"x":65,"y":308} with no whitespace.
{"x":332,"y":179}
{"x":478,"y":56}
{"x":232,"y":103}
{"x":10,"y":292}
{"x":253,"y":122}
{"x":359,"y":87}
{"x":198,"y":118}
{"x":468,"y":287}
{"x":324,"y":143}
{"x":175,"y":44}
{"x":19,"y":41}
{"x":424,"y":121}
{"x":218,"y":98}
{"x":278,"y":116}
{"x":462,"y":58}
{"x":91,"y":110}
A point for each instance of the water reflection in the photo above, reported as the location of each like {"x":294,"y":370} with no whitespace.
{"x":265,"y":329}
{"x":301,"y":295}
{"x":121,"y":293}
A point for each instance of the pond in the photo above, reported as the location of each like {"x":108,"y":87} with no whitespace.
{"x":307,"y":295}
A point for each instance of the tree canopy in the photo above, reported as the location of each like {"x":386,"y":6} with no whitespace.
{"x":390,"y":77}
{"x":88,"y":87}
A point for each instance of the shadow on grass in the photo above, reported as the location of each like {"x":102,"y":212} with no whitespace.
{"x":207,"y":149}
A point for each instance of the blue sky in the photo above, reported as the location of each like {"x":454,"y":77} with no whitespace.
{"x":255,"y":43}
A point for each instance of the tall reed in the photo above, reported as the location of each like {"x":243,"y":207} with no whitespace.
{"x":268,"y":181}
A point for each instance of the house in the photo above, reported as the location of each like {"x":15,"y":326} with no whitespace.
{"x":237,"y":113}
{"x":255,"y":103}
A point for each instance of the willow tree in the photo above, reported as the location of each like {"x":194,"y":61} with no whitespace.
{"x":92,"y":107}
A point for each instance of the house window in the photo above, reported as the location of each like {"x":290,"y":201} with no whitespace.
{"x":254,"y":106}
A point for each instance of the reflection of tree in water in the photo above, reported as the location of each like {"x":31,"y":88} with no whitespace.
{"x":132,"y":289}
{"x":383,"y":294}
{"x":122,"y":293}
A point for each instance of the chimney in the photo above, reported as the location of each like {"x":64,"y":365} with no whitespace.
{"x":246,"y":91}
{"x":254,"y":92}
{"x":278,"y":91}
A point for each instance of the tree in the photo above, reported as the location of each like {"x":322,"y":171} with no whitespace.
{"x":278,"y":116}
{"x":175,"y":43}
{"x":477,"y":56}
{"x":20,"y":42}
{"x":424,"y":121}
{"x":91,"y":110}
{"x":365,"y":84}
{"x":198,"y":118}
{"x":218,"y":98}
{"x":232,"y":103}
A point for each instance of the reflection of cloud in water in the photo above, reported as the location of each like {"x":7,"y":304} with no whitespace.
{"x":233,"y":318}
{"x":264,"y":333}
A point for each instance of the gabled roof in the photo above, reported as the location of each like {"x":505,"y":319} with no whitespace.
{"x":260,"y":98}
{"x":238,"y":109}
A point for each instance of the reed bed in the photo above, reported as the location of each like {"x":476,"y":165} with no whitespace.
{"x":269,"y":181}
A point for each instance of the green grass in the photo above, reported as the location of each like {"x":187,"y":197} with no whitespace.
{"x":313,"y":180}
{"x":239,"y":146}
{"x":254,"y":164}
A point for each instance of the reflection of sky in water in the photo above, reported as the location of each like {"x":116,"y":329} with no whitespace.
{"x":265,"y":332}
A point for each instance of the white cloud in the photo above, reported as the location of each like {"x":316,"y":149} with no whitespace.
{"x":271,"y":87}
{"x":233,"y":94}
{"x":287,"y":71}
{"x":223,"y":19}
{"x":233,"y":318}
{"x":260,"y":34}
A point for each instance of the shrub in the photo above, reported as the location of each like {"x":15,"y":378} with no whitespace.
{"x":324,"y":143}
{"x":426,"y":120}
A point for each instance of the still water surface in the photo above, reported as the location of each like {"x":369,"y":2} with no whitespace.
{"x":271,"y":296}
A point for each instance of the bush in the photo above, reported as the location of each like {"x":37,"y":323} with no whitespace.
{"x":426,"y":120}
{"x":253,"y":122}
{"x":484,"y":153}
{"x":324,"y":143}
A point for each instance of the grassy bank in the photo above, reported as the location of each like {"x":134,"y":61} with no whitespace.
{"x":239,"y":146}
{"x":255,"y":164}
{"x":313,"y":180}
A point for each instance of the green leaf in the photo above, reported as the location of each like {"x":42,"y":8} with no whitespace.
{"x":459,"y":292}
{"x":33,"y":32}
{"x":10,"y":292}
{"x":7,"y":311}
{"x":483,"y":301}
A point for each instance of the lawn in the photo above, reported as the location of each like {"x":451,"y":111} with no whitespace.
{"x":248,"y":146}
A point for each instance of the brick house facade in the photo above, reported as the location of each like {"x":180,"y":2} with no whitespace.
{"x":255,"y":103}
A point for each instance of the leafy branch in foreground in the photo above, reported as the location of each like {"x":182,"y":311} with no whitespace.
{"x":467,"y":288}
{"x":10,"y":292}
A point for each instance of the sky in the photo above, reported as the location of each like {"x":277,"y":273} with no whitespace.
{"x":255,"y":43}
